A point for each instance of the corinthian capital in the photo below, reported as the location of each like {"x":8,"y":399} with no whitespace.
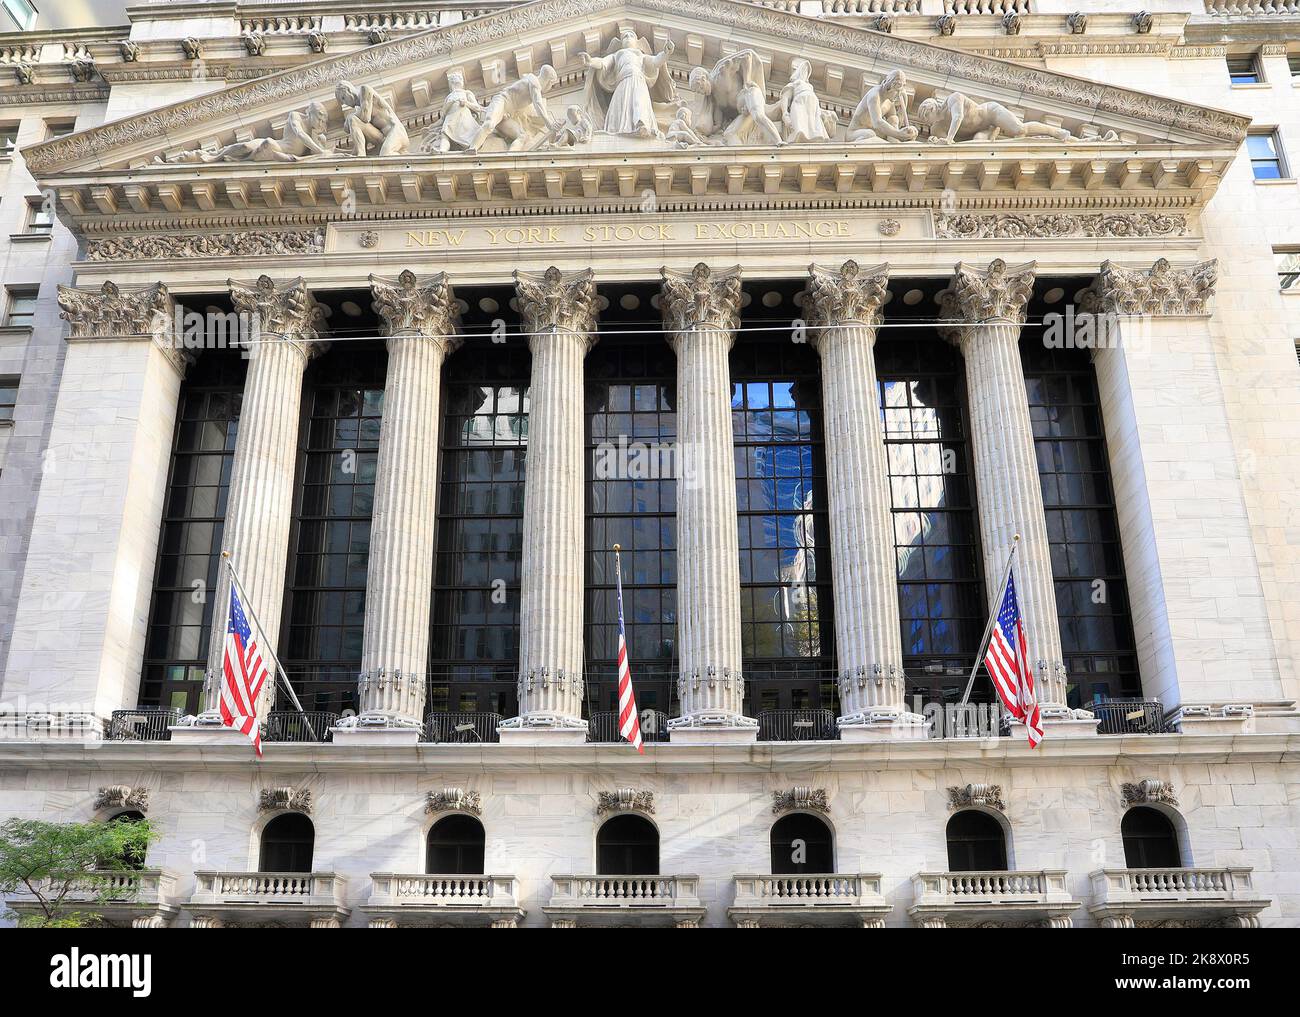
{"x":411,"y":308}
{"x":701,"y":298}
{"x":289,"y":311}
{"x":564,"y":301}
{"x":996,"y":294}
{"x":1162,"y":289}
{"x":847,"y":294}
{"x":112,"y":312}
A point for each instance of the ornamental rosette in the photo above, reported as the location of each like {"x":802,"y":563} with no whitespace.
{"x":409,"y":307}
{"x":701,"y":298}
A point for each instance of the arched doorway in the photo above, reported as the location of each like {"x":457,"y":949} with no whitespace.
{"x":627,"y":846}
{"x":287,"y":843}
{"x":130,"y":857}
{"x":455,"y":846}
{"x":801,"y":844}
{"x":1150,"y":841}
{"x":976,"y":843}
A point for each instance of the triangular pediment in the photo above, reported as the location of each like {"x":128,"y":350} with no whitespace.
{"x":147,"y":164}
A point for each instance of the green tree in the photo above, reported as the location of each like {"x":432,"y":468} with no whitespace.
{"x":69,"y":869}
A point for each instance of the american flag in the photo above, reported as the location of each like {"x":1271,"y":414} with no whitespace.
{"x":243,"y":674}
{"x":1008,"y":663}
{"x":629,"y":721}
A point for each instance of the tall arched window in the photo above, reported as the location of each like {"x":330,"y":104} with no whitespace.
{"x":627,"y":846}
{"x":287,"y":844}
{"x":1150,"y":841}
{"x":801,"y":844}
{"x":976,"y":843}
{"x":456,"y":846}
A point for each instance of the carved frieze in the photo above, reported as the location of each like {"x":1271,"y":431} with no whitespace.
{"x":847,"y":294}
{"x":1159,"y":290}
{"x":1148,"y":792}
{"x":292,"y":799}
{"x":557,"y":300}
{"x":1046,"y":225}
{"x":811,"y":799}
{"x":112,"y":312}
{"x":122,"y":796}
{"x":182,"y":246}
{"x":408,"y":306}
{"x":625,"y":799}
{"x":289,"y":310}
{"x":700,"y":298}
{"x":986,"y":795}
{"x":454,"y":799}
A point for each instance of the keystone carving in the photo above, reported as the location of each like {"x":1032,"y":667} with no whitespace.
{"x":986,"y":795}
{"x":1148,"y":792}
{"x":625,"y":799}
{"x":122,"y":796}
{"x":285,"y":798}
{"x":814,"y":799}
{"x":453,"y":799}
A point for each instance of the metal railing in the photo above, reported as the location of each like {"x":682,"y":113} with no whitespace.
{"x":1130,"y":716}
{"x":292,"y":726}
{"x":603,"y":727}
{"x":797,"y":726}
{"x":145,"y":724}
{"x":461,"y":727}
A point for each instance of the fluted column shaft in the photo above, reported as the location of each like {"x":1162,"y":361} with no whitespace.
{"x":558,"y":311}
{"x":259,"y":509}
{"x":843,"y":307}
{"x":701,"y":315}
{"x":989,"y":307}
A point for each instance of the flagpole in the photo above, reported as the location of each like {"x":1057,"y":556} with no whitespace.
{"x":265,"y":645}
{"x":993,"y":615}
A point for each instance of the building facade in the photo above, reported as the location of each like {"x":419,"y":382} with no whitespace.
{"x":401,"y":318}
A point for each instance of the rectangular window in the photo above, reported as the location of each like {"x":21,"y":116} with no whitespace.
{"x":8,"y":397}
{"x":8,"y":139}
{"x":1266,"y":162}
{"x":1245,"y":70}
{"x":1288,"y":268}
{"x":20,"y":309}
{"x":40,"y":219}
{"x":1293,"y":62}
{"x":58,"y":128}
{"x":22,"y":13}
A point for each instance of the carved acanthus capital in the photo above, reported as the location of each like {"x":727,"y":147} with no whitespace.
{"x":288,"y":312}
{"x":1162,"y":289}
{"x":845,"y":295}
{"x":409,"y":307}
{"x":292,"y":799}
{"x":625,"y":799}
{"x":454,"y":799}
{"x":110,"y":312}
{"x":808,"y":799}
{"x":1148,"y":792}
{"x":557,"y":301}
{"x":980,"y":795}
{"x":122,"y":796}
{"x":700,"y":298}
{"x":996,"y":294}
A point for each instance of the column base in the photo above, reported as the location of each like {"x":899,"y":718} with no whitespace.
{"x":882,"y":726}
{"x":713,"y":728}
{"x":543,"y":729}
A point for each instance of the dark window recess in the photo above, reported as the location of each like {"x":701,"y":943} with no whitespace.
{"x":456,"y":846}
{"x":1150,"y":841}
{"x":976,"y":843}
{"x":129,"y":858}
{"x":287,"y":843}
{"x":8,"y":397}
{"x":1082,"y":526}
{"x":329,"y":550}
{"x":189,"y":553}
{"x":801,"y":844}
{"x":627,"y":846}
{"x":474,"y":642}
{"x":1244,"y":70}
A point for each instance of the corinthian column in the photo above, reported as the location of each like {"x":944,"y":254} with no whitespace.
{"x":285,"y":329}
{"x":987,"y":308}
{"x":419,"y":320}
{"x":558,"y":310}
{"x":701,"y":314}
{"x":843,"y":309}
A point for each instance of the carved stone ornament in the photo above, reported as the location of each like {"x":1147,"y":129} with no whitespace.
{"x":997,"y":293}
{"x":1077,"y":23}
{"x":1142,"y":22}
{"x":182,"y":246}
{"x":811,"y":799}
{"x":112,"y":312}
{"x":130,"y":51}
{"x":946,"y":24}
{"x":1148,"y":792}
{"x":289,"y":310}
{"x":192,"y":48}
{"x":986,"y":795}
{"x":408,"y":306}
{"x":890,"y":227}
{"x":625,"y":799}
{"x":254,"y":43}
{"x":453,"y":799}
{"x":701,"y":298}
{"x":292,"y":799}
{"x":122,"y":796}
{"x":847,"y":294}
{"x":557,"y":300}
{"x":1046,"y":225}
{"x":1160,"y":290}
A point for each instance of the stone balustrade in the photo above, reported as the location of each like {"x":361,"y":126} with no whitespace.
{"x":223,"y":897}
{"x":769,"y":899}
{"x":621,"y":899}
{"x":143,"y":898}
{"x":945,"y":898}
{"x":410,"y":898}
{"x":1124,"y":898}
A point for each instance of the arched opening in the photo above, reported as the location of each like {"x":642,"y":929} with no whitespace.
{"x":287,"y":843}
{"x":976,"y":843}
{"x":456,"y":846}
{"x":801,"y":844}
{"x":1150,"y":841}
{"x":130,"y":857}
{"x":627,"y":846}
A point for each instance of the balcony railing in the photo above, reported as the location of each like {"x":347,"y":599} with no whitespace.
{"x":415,"y":898}
{"x":603,"y":727}
{"x":940,"y":897}
{"x":461,"y":727}
{"x":143,"y":897}
{"x":220,"y":897}
{"x":145,"y":724}
{"x":1227,"y":895}
{"x":625,"y":891}
{"x":835,"y":897}
{"x":797,"y":726}
{"x":292,"y":726}
{"x":1130,"y":716}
